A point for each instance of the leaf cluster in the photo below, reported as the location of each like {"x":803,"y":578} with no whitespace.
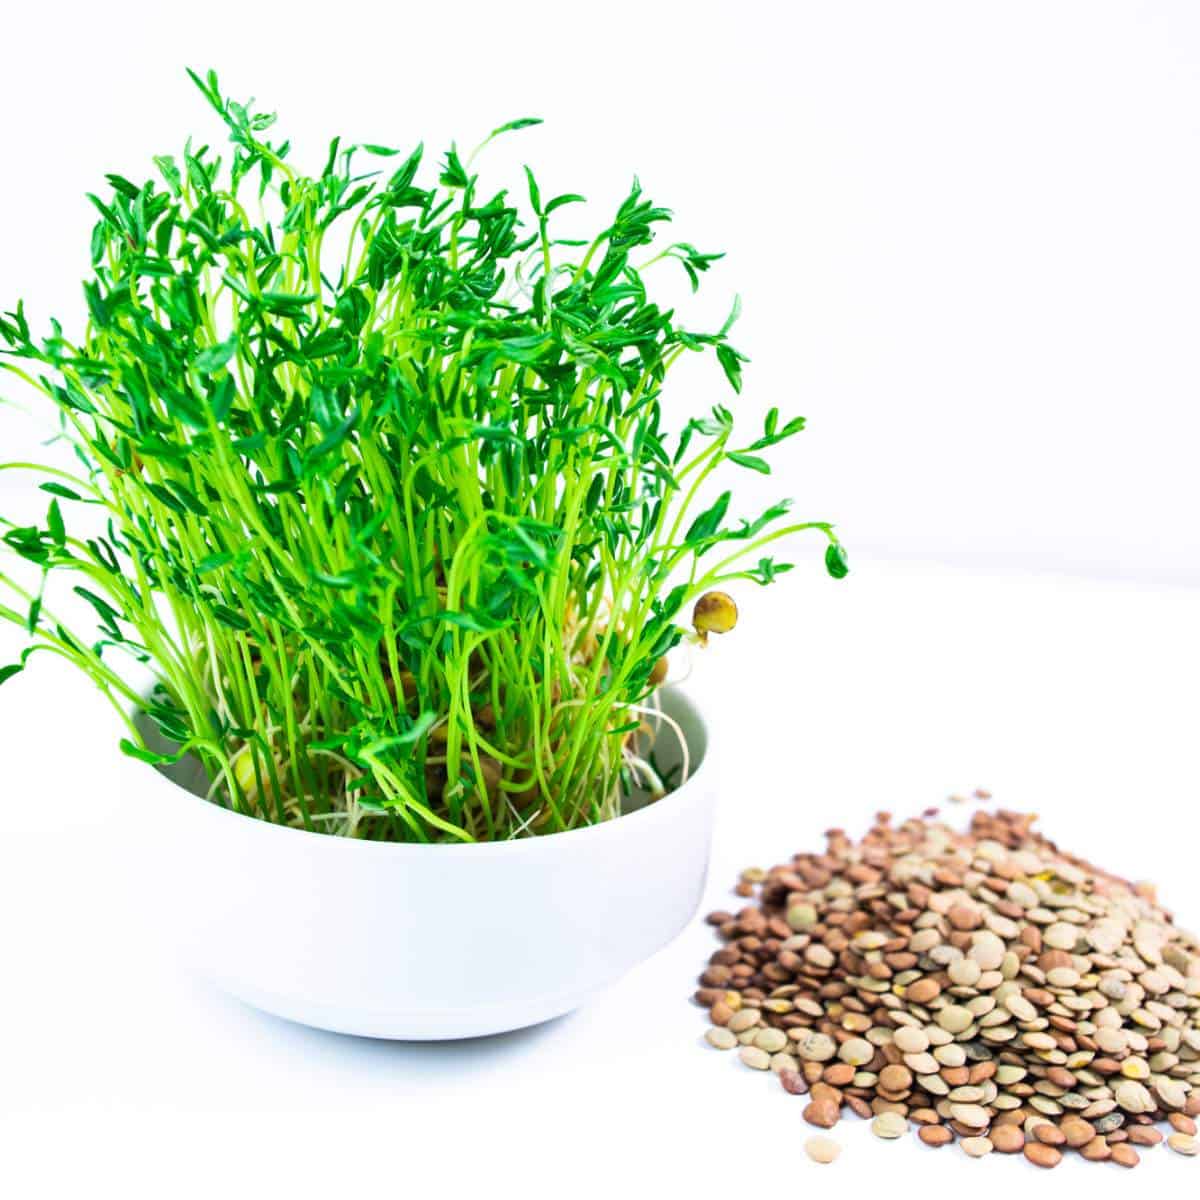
{"x":385,"y":496}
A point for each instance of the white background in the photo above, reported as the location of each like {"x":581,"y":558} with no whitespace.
{"x":966,"y":237}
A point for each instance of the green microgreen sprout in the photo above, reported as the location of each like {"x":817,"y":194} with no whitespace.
{"x":371,"y":475}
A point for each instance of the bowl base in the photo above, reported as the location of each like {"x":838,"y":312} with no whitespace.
{"x":411,"y":1025}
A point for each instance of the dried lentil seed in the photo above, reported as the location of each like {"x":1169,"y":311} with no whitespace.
{"x":720,"y":1038}
{"x":910,"y":1039}
{"x":972,"y":1115}
{"x":1042,"y":1155}
{"x":895,"y":1078}
{"x":793,"y":1082}
{"x":1182,"y":1124}
{"x":753,"y":1057}
{"x":1007,"y":1139}
{"x":821,"y":1112}
{"x":1133,"y":1097}
{"x":1077,"y":1132}
{"x":1144,"y":1135}
{"x":817,"y":1047}
{"x":890,"y":1125}
{"x":1125,"y":1155}
{"x":822,"y":1149}
{"x":954,"y":1018}
{"x":1020,"y":1007}
{"x":1097,"y":1150}
{"x":743,"y":1019}
{"x":1066,"y":990}
{"x":935,"y":1135}
{"x":950,"y":1055}
{"x":771,"y":1040}
{"x":856,"y":1051}
{"x":922,"y":1064}
{"x":923,"y":991}
{"x":1049,"y":1134}
{"x":838,"y":1075}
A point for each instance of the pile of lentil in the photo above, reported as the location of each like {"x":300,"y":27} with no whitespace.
{"x":983,"y":987}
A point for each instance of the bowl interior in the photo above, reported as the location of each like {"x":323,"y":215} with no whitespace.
{"x":679,"y":719}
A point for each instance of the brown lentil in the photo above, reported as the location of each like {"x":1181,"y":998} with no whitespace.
{"x":822,"y":1113}
{"x":935,"y":1135}
{"x":1049,"y":1134}
{"x":895,"y":1078}
{"x":1097,"y":1150}
{"x":794,"y":1082}
{"x":1144,"y":1135}
{"x":1077,"y":1132}
{"x":1182,"y":1124}
{"x":1042,"y":1155}
{"x":1007,"y":1139}
{"x":1127,"y":1156}
{"x":985,"y":984}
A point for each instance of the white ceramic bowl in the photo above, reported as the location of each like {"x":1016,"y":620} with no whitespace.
{"x":421,"y":942}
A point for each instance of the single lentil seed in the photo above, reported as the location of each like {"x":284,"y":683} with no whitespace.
{"x":1042,"y":1155}
{"x":822,"y":1149}
{"x":752,"y":1056}
{"x":889,"y":1125}
{"x":720,"y":1038}
{"x":935,"y":1135}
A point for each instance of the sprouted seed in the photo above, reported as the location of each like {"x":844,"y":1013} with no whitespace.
{"x":715,"y":612}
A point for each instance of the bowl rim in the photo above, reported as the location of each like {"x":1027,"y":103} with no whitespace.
{"x":698,"y":784}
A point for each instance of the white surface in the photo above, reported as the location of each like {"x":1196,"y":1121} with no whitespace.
{"x":418,"y":942}
{"x":120,"y":1077}
{"x":965,"y":232}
